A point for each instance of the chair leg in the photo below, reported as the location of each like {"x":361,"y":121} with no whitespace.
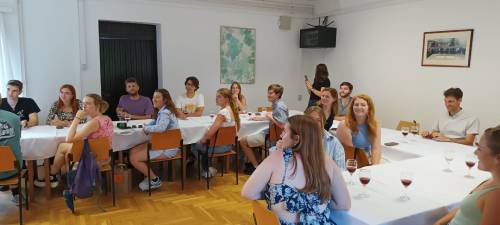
{"x":20,"y":198}
{"x":183,"y":168}
{"x":237,"y":164}
{"x":149,"y":173}
{"x":221,"y":167}
{"x":113,"y":183}
{"x":199,"y":166}
{"x":26,"y":192}
{"x":206,"y":170}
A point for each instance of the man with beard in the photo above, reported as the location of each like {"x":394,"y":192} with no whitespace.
{"x":345,"y":91}
{"x":133,"y":105}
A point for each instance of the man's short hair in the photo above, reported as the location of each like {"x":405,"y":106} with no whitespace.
{"x":276,"y":88}
{"x":345,"y":83}
{"x":131,"y":80}
{"x":16,"y":83}
{"x":454,"y":92}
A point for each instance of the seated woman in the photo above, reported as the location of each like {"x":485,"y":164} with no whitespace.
{"x":165,"y":119}
{"x":98,"y":126}
{"x":228,"y":116}
{"x":239,"y":99}
{"x":482,"y":204}
{"x":360,"y":129}
{"x":331,"y":144}
{"x":192,"y":103}
{"x":302,"y":185}
{"x":329,"y":103}
{"x":64,"y":110}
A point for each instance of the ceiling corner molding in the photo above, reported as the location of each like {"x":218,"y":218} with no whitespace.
{"x":366,"y":6}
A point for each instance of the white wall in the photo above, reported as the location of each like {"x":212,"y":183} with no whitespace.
{"x":379,"y":51}
{"x":190,"y":41}
{"x":51,"y":49}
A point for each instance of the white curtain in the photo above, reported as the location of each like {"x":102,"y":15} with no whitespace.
{"x":6,"y":73}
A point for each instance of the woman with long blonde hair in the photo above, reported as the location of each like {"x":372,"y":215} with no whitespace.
{"x":228,"y":116}
{"x":360,"y":128}
{"x":303,"y":185}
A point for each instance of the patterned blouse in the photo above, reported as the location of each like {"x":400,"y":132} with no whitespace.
{"x":307,"y":206}
{"x":64,"y":116}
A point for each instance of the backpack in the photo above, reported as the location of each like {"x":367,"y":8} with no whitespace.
{"x":86,"y":174}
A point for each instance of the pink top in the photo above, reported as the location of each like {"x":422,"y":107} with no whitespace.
{"x":105,"y":129}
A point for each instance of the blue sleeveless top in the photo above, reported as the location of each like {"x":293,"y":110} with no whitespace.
{"x":307,"y":206}
{"x":360,"y":139}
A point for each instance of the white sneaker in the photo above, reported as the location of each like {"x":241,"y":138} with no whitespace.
{"x":41,"y":183}
{"x":144,"y":184}
{"x":211,"y":172}
{"x":15,"y":198}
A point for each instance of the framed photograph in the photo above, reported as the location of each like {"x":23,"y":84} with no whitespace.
{"x":450,"y":48}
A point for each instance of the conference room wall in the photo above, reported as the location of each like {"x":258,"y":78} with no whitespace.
{"x":379,"y":51}
{"x":189,"y":40}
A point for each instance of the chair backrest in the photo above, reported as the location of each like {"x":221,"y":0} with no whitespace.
{"x":358,"y":154}
{"x":264,"y":108}
{"x":274,"y":132}
{"x":7,"y":159}
{"x":263,"y":216}
{"x":408,"y":124}
{"x":166,"y":140}
{"x":100,"y":147}
{"x":223,"y":136}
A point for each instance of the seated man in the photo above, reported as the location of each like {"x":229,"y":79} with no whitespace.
{"x":25,"y":108}
{"x":133,"y":105}
{"x":345,"y":91}
{"x":456,"y":126}
{"x":10,"y":135}
{"x":278,"y":117}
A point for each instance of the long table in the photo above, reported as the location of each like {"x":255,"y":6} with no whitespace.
{"x":432,"y":192}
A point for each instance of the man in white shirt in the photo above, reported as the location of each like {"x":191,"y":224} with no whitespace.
{"x":456,"y":126}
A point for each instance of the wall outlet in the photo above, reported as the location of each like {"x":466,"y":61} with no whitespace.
{"x":299,"y":97}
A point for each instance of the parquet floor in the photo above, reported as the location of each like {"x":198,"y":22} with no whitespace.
{"x":220,"y":205}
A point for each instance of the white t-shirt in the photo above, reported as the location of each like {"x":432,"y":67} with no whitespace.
{"x":226,"y":112}
{"x":189,"y":105}
{"x":458,"y":125}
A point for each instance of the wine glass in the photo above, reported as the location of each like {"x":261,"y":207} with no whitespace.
{"x":449,"y":155}
{"x":127,"y":118}
{"x":414,"y":130}
{"x":405,"y":131}
{"x":351,"y":166}
{"x":470,"y":161}
{"x":406,"y":180}
{"x":364,"y":178}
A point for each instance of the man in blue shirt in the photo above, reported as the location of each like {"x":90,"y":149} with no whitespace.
{"x":10,"y":135}
{"x":278,"y":117}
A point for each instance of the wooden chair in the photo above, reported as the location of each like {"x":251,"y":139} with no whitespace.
{"x":263,"y":216}
{"x":102,"y":152}
{"x":358,"y":154}
{"x":9,"y":163}
{"x":170,"y":139}
{"x":223,"y":136}
{"x":264,"y":108}
{"x":408,"y":124}
{"x":273,"y":136}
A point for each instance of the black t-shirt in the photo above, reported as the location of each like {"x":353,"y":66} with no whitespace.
{"x":318,"y":85}
{"x":24,"y":107}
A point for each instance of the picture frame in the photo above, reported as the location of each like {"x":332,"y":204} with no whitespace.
{"x":449,"y":48}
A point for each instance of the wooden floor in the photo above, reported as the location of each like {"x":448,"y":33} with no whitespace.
{"x":220,"y":205}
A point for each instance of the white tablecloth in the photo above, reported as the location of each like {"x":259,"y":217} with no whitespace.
{"x":432,"y":192}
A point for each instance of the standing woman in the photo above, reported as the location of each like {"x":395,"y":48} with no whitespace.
{"x":239,"y":99}
{"x":301,"y":184}
{"x":98,"y":126}
{"x":360,"y":129}
{"x":321,"y":81}
{"x":330,"y":105}
{"x":165,"y":119}
{"x":63,"y":111}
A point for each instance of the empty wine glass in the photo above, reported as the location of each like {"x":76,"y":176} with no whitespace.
{"x":414,"y":130}
{"x":449,"y":155}
{"x":364,"y":177}
{"x":351,"y":166}
{"x":470,"y":161}
{"x":406,"y":180}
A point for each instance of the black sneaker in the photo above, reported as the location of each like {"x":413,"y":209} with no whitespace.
{"x":248,"y":169}
{"x":41,"y":182}
{"x":4,"y":188}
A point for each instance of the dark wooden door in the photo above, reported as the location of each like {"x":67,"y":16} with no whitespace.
{"x":126,"y":50}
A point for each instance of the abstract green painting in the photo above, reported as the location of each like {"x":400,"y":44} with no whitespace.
{"x":237,"y":55}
